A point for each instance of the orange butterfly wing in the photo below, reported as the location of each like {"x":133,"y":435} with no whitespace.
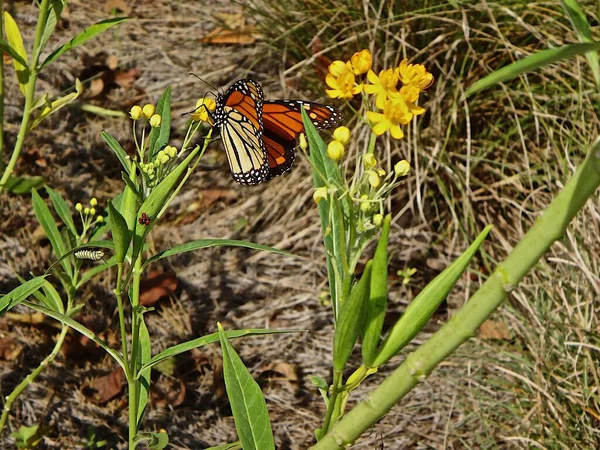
{"x":282,"y":124}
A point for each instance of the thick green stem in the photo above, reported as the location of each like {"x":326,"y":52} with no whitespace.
{"x":31,"y":377}
{"x":29,"y":95}
{"x":134,"y":384}
{"x":123,"y":330}
{"x":418,"y":365}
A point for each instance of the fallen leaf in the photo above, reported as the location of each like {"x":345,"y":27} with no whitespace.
{"x":156,"y":286}
{"x":117,"y":5}
{"x":105,"y":388}
{"x":126,"y":78}
{"x":9,"y":349}
{"x":168,"y":392}
{"x":245,"y":35}
{"x":494,"y":329}
{"x":285,"y":371}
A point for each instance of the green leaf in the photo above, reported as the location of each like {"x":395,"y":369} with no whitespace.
{"x":6,"y":48}
{"x":205,"y":340}
{"x":83,"y":37}
{"x":54,"y":11}
{"x":205,"y":243}
{"x":57,"y":104}
{"x":44,"y":216}
{"x":143,"y":357}
{"x":531,"y":63}
{"x":233,"y":446}
{"x":132,"y":187}
{"x":377,"y":302}
{"x":29,"y":437}
{"x":584,"y":33}
{"x":120,"y":232}
{"x":20,"y":293}
{"x":92,"y":272}
{"x":159,"y":137}
{"x":50,"y":297}
{"x":79,"y":328}
{"x":117,"y":149}
{"x":155,"y":441}
{"x":421,"y":309}
{"x":247,"y":402}
{"x":15,"y":41}
{"x":62,"y":209}
{"x":351,"y":319}
{"x":23,"y":185}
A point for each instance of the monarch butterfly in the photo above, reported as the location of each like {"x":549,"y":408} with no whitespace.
{"x":260,"y":136}
{"x":93,"y":255}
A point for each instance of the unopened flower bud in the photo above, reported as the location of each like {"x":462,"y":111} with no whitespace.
{"x":99,"y":219}
{"x":303,"y":144}
{"x":92,"y":211}
{"x":365,"y":207}
{"x":148,"y":110}
{"x":155,"y":120}
{"x":320,"y":194}
{"x":335,"y":150}
{"x":369,"y":160}
{"x":341,"y":134}
{"x":86,"y":211}
{"x":377,"y":219}
{"x":93,"y":202}
{"x":136,"y":112}
{"x":374,"y":179}
{"x":401,"y":168}
{"x":78,"y":207}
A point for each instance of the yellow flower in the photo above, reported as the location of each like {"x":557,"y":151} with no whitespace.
{"x":401,"y":168}
{"x":341,"y":134}
{"x":320,"y":194}
{"x":341,"y":80}
{"x":374,"y":179}
{"x":155,"y":120}
{"x":381,"y":85}
{"x":395,"y":112}
{"x":361,"y":62}
{"x":203,"y":107}
{"x":136,"y":112}
{"x":335,"y":150}
{"x":410,"y":94}
{"x":414,"y":74}
{"x":148,"y":111}
{"x":369,"y":160}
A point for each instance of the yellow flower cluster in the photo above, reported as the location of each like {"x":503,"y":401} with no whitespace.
{"x":396,"y":90}
{"x":336,"y":149}
{"x":203,"y":107}
{"x":147,"y":112}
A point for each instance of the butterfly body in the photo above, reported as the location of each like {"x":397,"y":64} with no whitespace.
{"x":260,"y":136}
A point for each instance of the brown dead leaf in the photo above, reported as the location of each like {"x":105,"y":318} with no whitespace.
{"x":283,"y":371}
{"x":168,"y":392}
{"x":119,"y":5}
{"x":7,"y":59}
{"x":494,"y":329}
{"x":9,"y":349}
{"x":245,"y":35}
{"x":105,"y":388}
{"x":126,"y":78}
{"x":95,"y":88}
{"x":156,"y":286}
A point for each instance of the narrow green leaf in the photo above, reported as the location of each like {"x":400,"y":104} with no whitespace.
{"x":6,"y":48}
{"x":117,"y":149}
{"x":120,"y":232}
{"x":159,"y":137}
{"x":57,"y":104}
{"x":584,"y":33}
{"x":44,"y":216}
{"x":23,"y":185}
{"x":20,"y":293}
{"x":143,"y":357}
{"x":54,"y":11}
{"x":79,"y":328}
{"x":377,"y":302}
{"x":83,"y":37}
{"x":15,"y":41}
{"x":208,"y":339}
{"x":92,"y":272}
{"x":247,"y":402}
{"x":62,"y":209}
{"x":350,"y":323}
{"x":233,"y":446}
{"x":531,"y":63}
{"x":205,"y":243}
{"x":132,"y":187}
{"x":54,"y":297}
{"x":421,"y":309}
{"x":153,"y":440}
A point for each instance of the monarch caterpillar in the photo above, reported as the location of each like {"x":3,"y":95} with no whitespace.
{"x":93,"y":255}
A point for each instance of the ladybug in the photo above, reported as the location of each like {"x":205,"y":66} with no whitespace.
{"x":144,"y":219}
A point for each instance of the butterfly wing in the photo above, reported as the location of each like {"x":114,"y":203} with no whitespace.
{"x":282,"y":122}
{"x":239,"y":119}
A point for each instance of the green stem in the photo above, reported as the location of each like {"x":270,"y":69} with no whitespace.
{"x":29,"y":95}
{"x":1,"y":90}
{"x":331,"y":406}
{"x":31,"y":377}
{"x":123,"y":330}
{"x":372,"y":140}
{"x":548,"y":228}
{"x":134,"y":384}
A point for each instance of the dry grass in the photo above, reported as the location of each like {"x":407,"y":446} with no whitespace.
{"x":497,"y":159}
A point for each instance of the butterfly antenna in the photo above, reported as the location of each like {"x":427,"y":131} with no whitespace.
{"x":206,"y":82}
